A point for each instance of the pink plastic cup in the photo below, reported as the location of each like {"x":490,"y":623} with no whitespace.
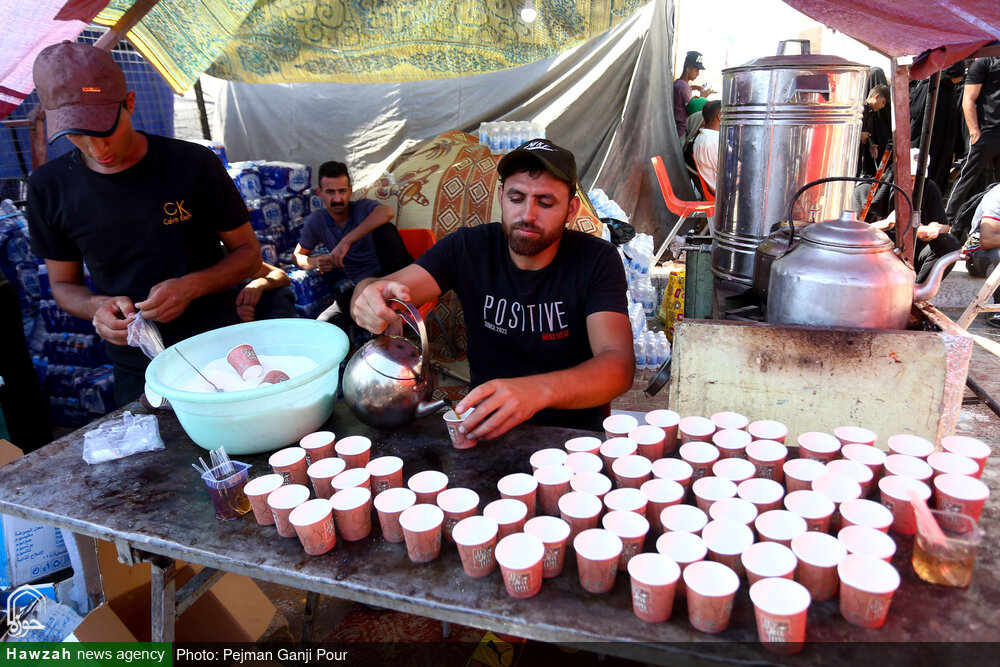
{"x":733,"y":509}
{"x":626,"y":500}
{"x":257,"y":490}
{"x":389,"y":505}
{"x":274,"y":376}
{"x":683,"y":519}
{"x":355,"y":450}
{"x":649,"y":440}
{"x":768,"y":429}
{"x":581,"y":511}
{"x":660,"y":494}
{"x":654,"y":582}
{"x":943,"y":463}
{"x":586,"y":444}
{"x":616,"y":448}
{"x":457,"y":504}
{"x":894,"y":493}
{"x":631,"y":472}
{"x":838,"y":488}
{"x":780,"y":607}
{"x":618,"y":425}
{"x":764,"y":560}
{"x":554,"y":534}
{"x":709,"y":489}
{"x":867,"y":585}
{"x":818,"y":556}
{"x":584,"y":462}
{"x":553,"y":484}
{"x":711,"y":588}
{"x":765,"y":494}
{"x":244,"y":361}
{"x":872,"y":457}
{"x":683,"y":549}
{"x":800,"y":473}
{"x":593,"y":483}
{"x":386,"y":473}
{"x":735,"y":470}
{"x":768,"y":458}
{"x":849,"y":434}
{"x":476,"y":538}
{"x":866,"y":541}
{"x":453,"y":423}
{"x":732,"y":443}
{"x":908,"y":466}
{"x":597,"y":552}
{"x":352,"y":509}
{"x":313,"y":523}
{"x":520,"y":486}
{"x":350,"y":478}
{"x":730,"y":420}
{"x":907,"y":444}
{"x":290,"y":463}
{"x":282,"y":501}
{"x":868,"y":513}
{"x":553,"y":456}
{"x":427,"y":485}
{"x":631,"y":528}
{"x":321,"y":475}
{"x":859,"y":472}
{"x":960,"y":494}
{"x":421,"y":526}
{"x":815,"y":508}
{"x":318,"y":445}
{"x":700,"y":456}
{"x":818,"y":446}
{"x":674,"y":470}
{"x":726,"y":541}
{"x":520,"y":559}
{"x":510,"y":515}
{"x":695,"y":429}
{"x":977,"y":450}
{"x":779,"y":526}
{"x":668,"y":420}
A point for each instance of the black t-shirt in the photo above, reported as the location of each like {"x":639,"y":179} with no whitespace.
{"x":153,"y":221}
{"x":528,"y":322}
{"x":986,"y":71}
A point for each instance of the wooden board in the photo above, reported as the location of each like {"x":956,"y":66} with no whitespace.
{"x":819,"y":378}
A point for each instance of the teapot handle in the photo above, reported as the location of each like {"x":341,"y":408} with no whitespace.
{"x":411,"y":316}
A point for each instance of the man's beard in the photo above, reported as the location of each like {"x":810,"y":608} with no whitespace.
{"x":529,"y":247}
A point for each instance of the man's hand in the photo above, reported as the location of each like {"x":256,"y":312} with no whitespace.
{"x":370,"y":309}
{"x":247,"y":300}
{"x":340,"y":252}
{"x":112,"y":318}
{"x":167,"y":300}
{"x":931,"y":231}
{"x":325,"y":263}
{"x":500,"y":405}
{"x":974,"y":136}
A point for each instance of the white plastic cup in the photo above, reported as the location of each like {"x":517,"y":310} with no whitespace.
{"x":818,"y":446}
{"x":654,"y":583}
{"x":869,"y":513}
{"x":780,"y":607}
{"x":768,"y":559}
{"x":815,"y":508}
{"x":700,"y":456}
{"x":553,"y":456}
{"x":257,"y":490}
{"x":520,"y":557}
{"x":735,"y":470}
{"x":961,"y":494}
{"x":779,"y":526}
{"x":581,"y":511}
{"x":683,"y":519}
{"x":389,"y":505}
{"x":457,"y":504}
{"x":597,"y":553}
{"x":683,"y":549}
{"x":427,"y":484}
{"x":520,"y":486}
{"x":386,"y":472}
{"x":907,"y":444}
{"x":352,"y":509}
{"x":867,"y":542}
{"x":768,"y":458}
{"x":800,"y":473}
{"x":421,"y":524}
{"x":894,"y":493}
{"x":733,"y":509}
{"x":618,"y":425}
{"x":476,"y":539}
{"x":626,"y":500}
{"x":649,"y":439}
{"x":355,"y":450}
{"x":873,"y":457}
{"x":695,"y":429}
{"x":587,"y":444}
{"x":765,"y":494}
{"x":943,"y":463}
{"x":709,"y":489}
{"x":711,"y":588}
{"x":859,"y":472}
{"x":726,"y":541}
{"x":732,"y":443}
{"x":321,"y":474}
{"x":593,"y":483}
{"x":631,"y":528}
{"x":768,"y":429}
{"x":554,"y":534}
{"x":631,"y":471}
{"x":867,"y":587}
{"x":674,"y":470}
{"x":668,"y":420}
{"x":977,"y":450}
{"x":729,"y":420}
{"x":584,"y":462}
{"x":553,"y":483}
{"x":350,"y":478}
{"x":660,"y":494}
{"x":908,"y":466}
{"x":616,"y":448}
{"x":282,"y":501}
{"x":855,"y":434}
{"x":818,"y":556}
{"x":510,"y":515}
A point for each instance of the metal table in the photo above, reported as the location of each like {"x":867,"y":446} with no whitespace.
{"x":156,"y":504}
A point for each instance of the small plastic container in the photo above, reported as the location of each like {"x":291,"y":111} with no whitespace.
{"x":228,"y":498}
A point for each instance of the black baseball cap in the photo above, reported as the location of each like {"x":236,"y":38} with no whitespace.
{"x":693,"y":59}
{"x":556,"y":159}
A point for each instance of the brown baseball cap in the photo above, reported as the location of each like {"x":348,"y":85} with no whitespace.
{"x":81,"y":89}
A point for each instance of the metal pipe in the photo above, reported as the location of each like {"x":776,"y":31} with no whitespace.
{"x":930,"y":110}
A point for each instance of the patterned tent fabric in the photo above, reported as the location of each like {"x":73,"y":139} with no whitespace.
{"x":357,"y":41}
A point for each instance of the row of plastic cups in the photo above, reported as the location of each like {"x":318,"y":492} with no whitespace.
{"x":293,"y":463}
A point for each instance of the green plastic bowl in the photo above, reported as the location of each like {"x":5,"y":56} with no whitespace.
{"x":261,"y":419}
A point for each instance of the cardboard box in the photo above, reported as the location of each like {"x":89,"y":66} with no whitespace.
{"x":29,"y":551}
{"x":101,"y":625}
{"x":233,"y":610}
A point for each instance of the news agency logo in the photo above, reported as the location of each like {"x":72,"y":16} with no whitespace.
{"x":21,"y":603}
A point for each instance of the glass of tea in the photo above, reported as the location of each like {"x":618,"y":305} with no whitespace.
{"x":949,"y":563}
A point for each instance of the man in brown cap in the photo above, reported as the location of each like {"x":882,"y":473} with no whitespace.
{"x":145,"y":213}
{"x":545,"y":306}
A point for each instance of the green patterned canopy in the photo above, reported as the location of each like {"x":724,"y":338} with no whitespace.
{"x":357,"y":41}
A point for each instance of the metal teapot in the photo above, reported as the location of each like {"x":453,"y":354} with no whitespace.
{"x":844,"y":273}
{"x":388,"y":381}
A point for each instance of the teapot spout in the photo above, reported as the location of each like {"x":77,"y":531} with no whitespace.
{"x":927,"y":289}
{"x":426,"y":408}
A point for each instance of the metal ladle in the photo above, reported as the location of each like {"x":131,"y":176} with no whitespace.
{"x":198,"y":372}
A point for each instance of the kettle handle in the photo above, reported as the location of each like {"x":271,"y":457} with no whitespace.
{"x":412,"y":316}
{"x":804,"y":44}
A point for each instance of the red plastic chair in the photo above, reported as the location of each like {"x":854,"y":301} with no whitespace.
{"x":417,"y":242}
{"x":679,"y":207}
{"x":709,"y":195}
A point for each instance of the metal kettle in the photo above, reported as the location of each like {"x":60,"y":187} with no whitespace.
{"x":846,"y":273}
{"x":387,"y":383}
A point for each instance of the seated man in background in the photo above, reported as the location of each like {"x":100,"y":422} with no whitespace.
{"x":706,"y":144}
{"x":267,"y":296}
{"x":981,"y":260}
{"x":361,"y":245}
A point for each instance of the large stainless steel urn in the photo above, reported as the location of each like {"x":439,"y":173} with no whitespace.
{"x":786,"y":120}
